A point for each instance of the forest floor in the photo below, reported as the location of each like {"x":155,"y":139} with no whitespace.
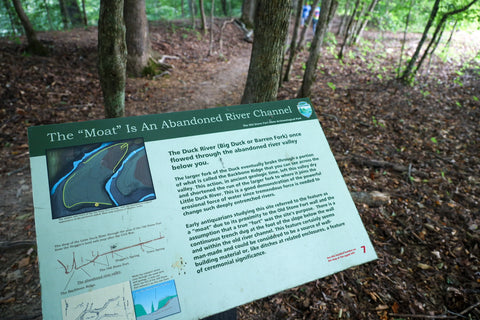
{"x":419,"y":145}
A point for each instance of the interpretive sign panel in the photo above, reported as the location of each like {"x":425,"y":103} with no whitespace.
{"x":184,"y":215}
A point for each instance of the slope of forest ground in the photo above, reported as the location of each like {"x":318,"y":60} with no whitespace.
{"x":418,"y":145}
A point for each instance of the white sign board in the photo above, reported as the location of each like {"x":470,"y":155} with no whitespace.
{"x":184,"y":215}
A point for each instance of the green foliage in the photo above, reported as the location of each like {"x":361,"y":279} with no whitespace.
{"x":391,"y":15}
{"x":154,"y":69}
{"x":332,"y":86}
{"x":377,"y":123}
{"x":45,"y":14}
{"x":388,"y":15}
{"x":15,"y":39}
{"x":156,"y":10}
{"x":330,"y":39}
{"x":425,"y":93}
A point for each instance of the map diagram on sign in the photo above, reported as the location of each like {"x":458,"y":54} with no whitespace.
{"x":98,"y":176}
{"x":112,"y":303}
{"x":97,"y":265}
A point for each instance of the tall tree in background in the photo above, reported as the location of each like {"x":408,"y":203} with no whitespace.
{"x":181,"y":8}
{"x":112,"y":55}
{"x":49,"y":17}
{"x":437,"y":34}
{"x":14,"y":22}
{"x":71,"y":14}
{"x":407,"y":74}
{"x":138,"y":44}
{"x":84,"y":13}
{"x":63,"y":13}
{"x":293,"y":44}
{"x":364,"y":19}
{"x":344,"y":19}
{"x":212,"y":24}
{"x":404,"y":40}
{"x":191,"y":6}
{"x":328,"y":11}
{"x":271,"y":27}
{"x":226,"y":7}
{"x":202,"y":16}
{"x":350,"y":27}
{"x":34,"y":45}
{"x":248,"y":12}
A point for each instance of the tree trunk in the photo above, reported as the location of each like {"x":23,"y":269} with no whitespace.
{"x":212,"y":23}
{"x":84,"y":13}
{"x":34,"y":46}
{"x":353,"y":28}
{"x":226,"y":8}
{"x":202,"y":15}
{"x":73,"y":13}
{"x":343,"y":22}
{"x":450,"y":37}
{"x":328,"y":10}
{"x":301,"y":41}
{"x":271,"y":28}
{"x":349,"y":29}
{"x":138,"y":44}
{"x":357,"y":23}
{"x":15,"y":24}
{"x":435,"y":46}
{"x":440,"y":24}
{"x":381,"y":25}
{"x":293,"y":49}
{"x":70,"y":12}
{"x":407,"y":22}
{"x":365,"y":19}
{"x":112,"y":55}
{"x":331,"y":13}
{"x":49,"y":17}
{"x":63,"y":13}
{"x":191,"y":6}
{"x":248,"y":12}
{"x":408,"y":73}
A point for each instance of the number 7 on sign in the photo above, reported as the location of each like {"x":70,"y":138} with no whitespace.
{"x":364,"y":249}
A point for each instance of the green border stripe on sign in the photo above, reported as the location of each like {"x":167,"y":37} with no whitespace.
{"x":167,"y":125}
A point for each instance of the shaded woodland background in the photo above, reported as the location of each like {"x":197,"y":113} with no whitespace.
{"x":409,"y":155}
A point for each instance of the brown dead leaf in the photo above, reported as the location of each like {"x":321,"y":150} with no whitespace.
{"x":24,"y":262}
{"x":395,"y":307}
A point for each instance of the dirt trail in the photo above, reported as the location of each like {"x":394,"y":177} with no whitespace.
{"x":225,"y":87}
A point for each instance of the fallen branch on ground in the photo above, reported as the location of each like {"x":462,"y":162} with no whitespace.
{"x":372,"y":199}
{"x":383,"y":164}
{"x":247,"y":33}
{"x":221,"y":34}
{"x":7,"y":245}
